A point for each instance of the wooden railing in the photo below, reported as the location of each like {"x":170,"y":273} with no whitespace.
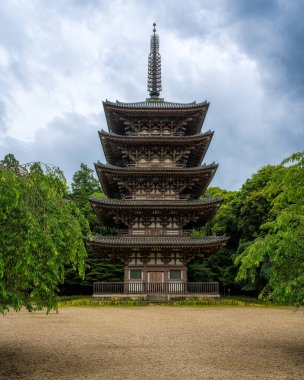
{"x":156,"y":197}
{"x":154,"y":232}
{"x":156,"y":165}
{"x":156,"y":134}
{"x":155,"y":288}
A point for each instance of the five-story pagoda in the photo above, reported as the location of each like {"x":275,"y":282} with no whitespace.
{"x":153,"y":179}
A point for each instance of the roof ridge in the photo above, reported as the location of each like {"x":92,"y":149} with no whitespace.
{"x":156,"y":169}
{"x":143,"y":137}
{"x":161,"y":240}
{"x":182,"y":202}
{"x":154,"y":104}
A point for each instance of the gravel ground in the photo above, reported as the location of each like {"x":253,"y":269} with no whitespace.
{"x":153,"y":343}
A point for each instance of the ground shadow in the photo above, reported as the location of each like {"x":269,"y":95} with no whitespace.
{"x":35,"y":362}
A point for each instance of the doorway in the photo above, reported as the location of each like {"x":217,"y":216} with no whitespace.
{"x":155,"y":282}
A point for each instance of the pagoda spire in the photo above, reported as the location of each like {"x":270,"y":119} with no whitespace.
{"x":154,"y":66}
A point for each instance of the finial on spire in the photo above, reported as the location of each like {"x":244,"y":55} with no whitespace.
{"x":154,"y":66}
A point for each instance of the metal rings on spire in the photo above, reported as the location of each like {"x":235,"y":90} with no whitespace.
{"x":154,"y":66}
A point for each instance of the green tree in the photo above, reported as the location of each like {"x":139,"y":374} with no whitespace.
{"x":220,"y":265}
{"x":41,"y":231}
{"x":84,"y":186}
{"x":224,"y":221}
{"x":250,"y":208}
{"x":217,"y":267}
{"x":281,"y":239}
{"x":245,"y":214}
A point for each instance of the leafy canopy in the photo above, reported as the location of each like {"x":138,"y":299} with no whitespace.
{"x":84,"y":186}
{"x":41,"y":232}
{"x":280,"y":240}
{"x":220,"y":265}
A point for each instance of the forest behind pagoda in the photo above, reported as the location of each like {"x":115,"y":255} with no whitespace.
{"x":264,"y":220}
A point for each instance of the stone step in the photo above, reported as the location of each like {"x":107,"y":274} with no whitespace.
{"x":157,"y":298}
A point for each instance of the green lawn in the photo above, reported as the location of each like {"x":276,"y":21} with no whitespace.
{"x":225,"y":301}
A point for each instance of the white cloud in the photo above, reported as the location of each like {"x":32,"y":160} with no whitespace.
{"x":59,"y":60}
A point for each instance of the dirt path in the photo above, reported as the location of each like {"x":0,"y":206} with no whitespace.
{"x":153,"y":343}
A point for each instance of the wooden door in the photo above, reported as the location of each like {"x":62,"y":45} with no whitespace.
{"x":155,"y":282}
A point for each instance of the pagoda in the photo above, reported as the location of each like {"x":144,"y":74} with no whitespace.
{"x":153,"y":180}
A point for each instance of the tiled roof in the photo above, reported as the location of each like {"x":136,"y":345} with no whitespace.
{"x":151,"y":104}
{"x":197,"y":178}
{"x":114,"y":145}
{"x":155,"y":139}
{"x":118,"y":113}
{"x":156,"y":203}
{"x":157,"y":241}
{"x":158,"y":171}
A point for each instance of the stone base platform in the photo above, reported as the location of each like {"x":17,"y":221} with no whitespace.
{"x":153,"y":297}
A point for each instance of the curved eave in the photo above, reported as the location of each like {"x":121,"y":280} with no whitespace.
{"x":148,"y":242}
{"x":113,"y":145}
{"x":154,"y":104}
{"x":116,"y":111}
{"x":162,"y":172}
{"x":203,"y":210}
{"x":158,"y":140}
{"x":111,"y":176}
{"x":155,"y":204}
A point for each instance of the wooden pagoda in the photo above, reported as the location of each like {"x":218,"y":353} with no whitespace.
{"x":154,"y":178}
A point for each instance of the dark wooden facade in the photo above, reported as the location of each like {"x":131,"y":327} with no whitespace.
{"x":154,"y":178}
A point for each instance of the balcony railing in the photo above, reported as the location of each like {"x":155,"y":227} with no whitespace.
{"x":155,"y":288}
{"x":154,"y":232}
{"x":156,"y":197}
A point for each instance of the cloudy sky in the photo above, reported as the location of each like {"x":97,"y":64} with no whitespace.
{"x":59,"y":59}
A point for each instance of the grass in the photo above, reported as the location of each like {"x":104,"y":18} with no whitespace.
{"x":86,"y":301}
